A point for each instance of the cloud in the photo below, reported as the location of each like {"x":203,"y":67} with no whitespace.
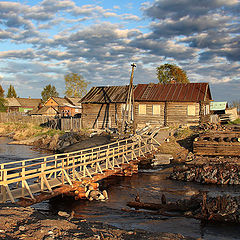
{"x":41,"y":42}
{"x":18,"y":54}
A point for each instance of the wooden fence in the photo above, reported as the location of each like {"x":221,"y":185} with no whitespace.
{"x":20,"y":118}
{"x":64,"y":124}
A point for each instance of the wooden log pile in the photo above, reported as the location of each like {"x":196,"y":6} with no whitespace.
{"x":224,"y":208}
{"x":208,"y":173}
{"x":217,"y":143}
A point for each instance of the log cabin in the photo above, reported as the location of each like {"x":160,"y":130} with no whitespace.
{"x":172,"y":104}
{"x":156,"y":104}
{"x":102,"y":107}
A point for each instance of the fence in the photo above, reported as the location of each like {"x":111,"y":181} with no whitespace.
{"x":20,"y":118}
{"x":64,"y":124}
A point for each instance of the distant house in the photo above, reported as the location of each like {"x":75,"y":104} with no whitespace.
{"x":64,"y":107}
{"x":156,"y":104}
{"x":218,"y":107}
{"x":223,"y":111}
{"x":22,"y":105}
{"x":45,"y":111}
{"x":12,"y":105}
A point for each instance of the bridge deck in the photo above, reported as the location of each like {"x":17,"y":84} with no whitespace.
{"x":21,"y":179}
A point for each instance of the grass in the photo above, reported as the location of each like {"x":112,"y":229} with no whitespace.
{"x":24,"y":131}
{"x":237,"y":121}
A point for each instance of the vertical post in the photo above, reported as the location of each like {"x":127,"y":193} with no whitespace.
{"x":42,"y":181}
{"x":23,"y":178}
{"x":107,"y":157}
{"x":62,"y":171}
{"x":3,"y":188}
{"x":73,"y":169}
{"x":84,"y":167}
{"x":55,"y":166}
{"x":139,"y":146}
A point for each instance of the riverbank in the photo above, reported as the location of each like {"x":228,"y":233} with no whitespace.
{"x":31,"y":135}
{"x":27,"y":223}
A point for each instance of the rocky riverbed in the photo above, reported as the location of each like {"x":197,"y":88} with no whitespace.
{"x":27,"y":223}
{"x":214,"y":173}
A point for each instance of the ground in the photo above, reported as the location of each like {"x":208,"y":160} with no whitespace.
{"x":27,"y":223}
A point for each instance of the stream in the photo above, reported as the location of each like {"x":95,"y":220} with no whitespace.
{"x":149,"y":184}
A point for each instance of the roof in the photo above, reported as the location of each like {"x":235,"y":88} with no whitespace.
{"x":59,"y":101}
{"x":74,"y":101}
{"x":107,"y":94}
{"x":42,"y":110}
{"x":177,"y":92}
{"x":29,"y":102}
{"x":218,"y":106}
{"x":12,"y":102}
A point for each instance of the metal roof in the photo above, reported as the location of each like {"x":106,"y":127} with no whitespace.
{"x":177,"y":92}
{"x":109,"y":94}
{"x":218,"y":106}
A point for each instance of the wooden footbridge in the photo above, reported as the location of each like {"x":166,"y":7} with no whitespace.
{"x":34,"y":180}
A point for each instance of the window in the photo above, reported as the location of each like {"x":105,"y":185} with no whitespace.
{"x":206,"y":110}
{"x":156,"y":109}
{"x":142,"y":109}
{"x":191,"y":110}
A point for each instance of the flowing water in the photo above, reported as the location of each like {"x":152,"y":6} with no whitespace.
{"x":149,"y":185}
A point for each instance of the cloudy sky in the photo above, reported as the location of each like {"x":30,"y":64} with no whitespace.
{"x":41,"y":41}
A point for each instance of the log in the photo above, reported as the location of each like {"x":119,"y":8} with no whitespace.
{"x":170,"y":207}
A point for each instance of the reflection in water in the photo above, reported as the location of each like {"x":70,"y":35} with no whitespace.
{"x":150,"y":185}
{"x":10,"y":152}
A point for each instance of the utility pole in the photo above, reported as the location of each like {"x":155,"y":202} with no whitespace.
{"x":129,"y":107}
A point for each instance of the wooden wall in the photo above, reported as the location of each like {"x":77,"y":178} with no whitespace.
{"x":149,"y":117}
{"x":170,"y":114}
{"x":101,"y":115}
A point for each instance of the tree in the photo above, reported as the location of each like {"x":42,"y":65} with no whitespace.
{"x":2,"y":100}
{"x":75,"y":85}
{"x":49,"y":91}
{"x":169,"y":73}
{"x":1,"y":92}
{"x":11,"y":92}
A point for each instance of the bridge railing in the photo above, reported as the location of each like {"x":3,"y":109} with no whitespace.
{"x":67,"y":167}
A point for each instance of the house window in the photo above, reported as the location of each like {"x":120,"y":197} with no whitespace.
{"x":191,"y":110}
{"x":206,"y":110}
{"x":142,"y":109}
{"x":156,"y":109}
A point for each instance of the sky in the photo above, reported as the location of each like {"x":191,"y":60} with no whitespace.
{"x":41,"y":41}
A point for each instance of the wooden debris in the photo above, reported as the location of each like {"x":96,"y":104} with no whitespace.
{"x":224,"y":208}
{"x":208,"y":173}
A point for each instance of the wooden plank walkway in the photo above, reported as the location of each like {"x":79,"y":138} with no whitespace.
{"x":24,"y":179}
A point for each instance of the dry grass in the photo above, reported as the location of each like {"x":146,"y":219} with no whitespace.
{"x":23,"y":131}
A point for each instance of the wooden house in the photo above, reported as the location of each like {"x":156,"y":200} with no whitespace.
{"x":45,"y":111}
{"x":65,"y":106}
{"x":172,"y":104}
{"x":155,"y":104}
{"x":22,"y":105}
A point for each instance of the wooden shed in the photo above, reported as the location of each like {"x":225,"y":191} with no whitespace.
{"x":102,"y":107}
{"x":172,"y":104}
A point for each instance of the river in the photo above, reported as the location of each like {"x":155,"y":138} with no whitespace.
{"x":149,"y":185}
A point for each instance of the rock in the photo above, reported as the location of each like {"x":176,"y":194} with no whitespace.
{"x":22,"y":228}
{"x":63,"y":214}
